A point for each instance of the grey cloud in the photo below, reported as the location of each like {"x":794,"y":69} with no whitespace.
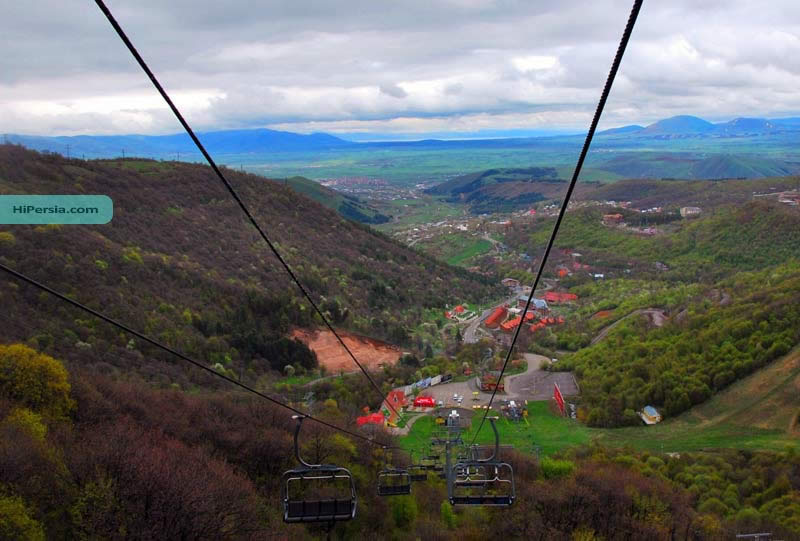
{"x":393,"y":91}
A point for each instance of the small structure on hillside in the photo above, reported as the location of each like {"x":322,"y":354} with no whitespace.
{"x":496,"y":317}
{"x":556,"y":297}
{"x":397,"y":399}
{"x":690,"y":211}
{"x":612,"y":219}
{"x":650,"y":415}
{"x":536,"y":304}
{"x":371,"y":419}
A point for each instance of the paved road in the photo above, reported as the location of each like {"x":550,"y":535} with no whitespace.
{"x":536,"y":384}
{"x":656,"y":316}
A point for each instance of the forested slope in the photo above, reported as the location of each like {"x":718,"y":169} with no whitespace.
{"x":179,"y":261}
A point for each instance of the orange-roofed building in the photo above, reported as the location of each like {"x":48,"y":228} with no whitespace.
{"x":497,"y":316}
{"x":397,"y":399}
{"x":613,"y":218}
{"x":459,"y":309}
{"x":559,"y":297}
{"x":562,"y":272}
{"x":511,"y":324}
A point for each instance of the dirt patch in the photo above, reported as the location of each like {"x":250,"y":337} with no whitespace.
{"x":370,"y":353}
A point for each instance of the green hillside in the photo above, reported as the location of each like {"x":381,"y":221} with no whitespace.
{"x":179,"y":261}
{"x":348,"y":206}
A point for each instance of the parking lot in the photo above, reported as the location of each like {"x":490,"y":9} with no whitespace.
{"x":533,"y":384}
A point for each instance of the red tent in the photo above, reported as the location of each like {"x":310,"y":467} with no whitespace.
{"x":424,"y":402}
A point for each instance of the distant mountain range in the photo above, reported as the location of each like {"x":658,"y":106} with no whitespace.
{"x":260,"y":141}
{"x":692,"y":126}
{"x":226,"y":142}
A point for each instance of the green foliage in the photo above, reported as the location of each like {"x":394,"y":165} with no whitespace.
{"x":35,"y":380}
{"x":16,"y":521}
{"x":29,"y":422}
{"x":404,"y":511}
{"x":552,"y":468}
{"x":132,"y":254}
{"x":682,"y":363}
{"x":7,"y":238}
{"x":448,"y":515}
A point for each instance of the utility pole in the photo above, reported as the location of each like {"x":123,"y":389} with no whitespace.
{"x":67,"y":151}
{"x":123,"y":153}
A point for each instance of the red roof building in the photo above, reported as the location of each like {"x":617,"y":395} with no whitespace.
{"x":372,"y":419}
{"x":496,"y":317}
{"x":559,"y":297}
{"x":511,"y":324}
{"x":459,"y":309}
{"x":397,"y":399}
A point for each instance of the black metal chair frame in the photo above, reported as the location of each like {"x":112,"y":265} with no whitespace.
{"x":393,"y":481}
{"x":416,"y":471}
{"x":304,"y":510}
{"x":482,"y":473}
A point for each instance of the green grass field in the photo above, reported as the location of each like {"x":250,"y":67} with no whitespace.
{"x":758,"y":412}
{"x":474,"y":248}
{"x":543,"y":428}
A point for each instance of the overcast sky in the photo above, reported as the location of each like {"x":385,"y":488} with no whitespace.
{"x":391,"y":66}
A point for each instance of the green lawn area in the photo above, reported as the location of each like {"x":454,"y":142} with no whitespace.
{"x":476,"y":247}
{"x":550,"y":432}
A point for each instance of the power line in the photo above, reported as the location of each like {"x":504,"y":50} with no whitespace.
{"x":637,"y":4}
{"x":168,"y":349}
{"x":233,"y":192}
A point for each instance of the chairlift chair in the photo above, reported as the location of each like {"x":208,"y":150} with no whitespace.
{"x":486,"y":481}
{"x":417,"y":471}
{"x":393,"y":481}
{"x":298,"y":508}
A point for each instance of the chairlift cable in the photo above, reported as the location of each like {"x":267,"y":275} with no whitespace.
{"x":232,"y":191}
{"x":637,"y":4}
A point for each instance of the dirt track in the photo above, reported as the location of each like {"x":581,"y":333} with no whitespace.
{"x":330,"y":353}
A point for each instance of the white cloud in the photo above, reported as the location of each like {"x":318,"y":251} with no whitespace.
{"x":415,"y":65}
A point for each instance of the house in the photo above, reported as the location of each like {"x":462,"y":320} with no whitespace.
{"x":650,"y":415}
{"x":690,"y":211}
{"x":537,"y":304}
{"x":397,"y":399}
{"x":558,"y":297}
{"x":612,"y":219}
{"x":459,"y":309}
{"x":562,"y":272}
{"x":511,"y":324}
{"x":496,"y":317}
{"x":510,"y":282}
{"x":372,"y":419}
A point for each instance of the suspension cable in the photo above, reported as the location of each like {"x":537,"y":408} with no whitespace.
{"x":637,"y":4}
{"x":233,"y":192}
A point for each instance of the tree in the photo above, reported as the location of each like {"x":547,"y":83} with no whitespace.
{"x":404,"y":511}
{"x":16,"y":521}
{"x":34,"y":379}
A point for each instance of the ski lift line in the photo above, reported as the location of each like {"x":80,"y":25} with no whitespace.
{"x":233,"y":192}
{"x":178,"y":354}
{"x":637,"y":4}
